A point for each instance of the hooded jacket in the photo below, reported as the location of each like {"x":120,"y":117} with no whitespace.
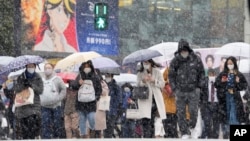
{"x":186,"y":74}
{"x":88,"y":106}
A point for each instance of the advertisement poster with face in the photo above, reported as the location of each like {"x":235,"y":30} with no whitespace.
{"x":57,"y":31}
{"x":67,"y":26}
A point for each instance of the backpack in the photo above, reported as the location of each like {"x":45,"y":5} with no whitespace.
{"x":50,"y":93}
{"x":86,"y":92}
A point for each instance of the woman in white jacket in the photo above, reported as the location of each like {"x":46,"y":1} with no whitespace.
{"x":149,"y":75}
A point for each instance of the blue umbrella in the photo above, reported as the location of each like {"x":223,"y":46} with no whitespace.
{"x":140,"y":55}
{"x":17,"y":64}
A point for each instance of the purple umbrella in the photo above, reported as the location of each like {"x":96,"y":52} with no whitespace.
{"x":5,"y":60}
{"x":20,"y":62}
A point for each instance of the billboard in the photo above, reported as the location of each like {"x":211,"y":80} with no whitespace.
{"x":67,"y":26}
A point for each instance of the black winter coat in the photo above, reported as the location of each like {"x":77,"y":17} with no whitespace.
{"x":88,"y":106}
{"x":37,"y":85}
{"x":221,"y":94}
{"x":186,"y":74}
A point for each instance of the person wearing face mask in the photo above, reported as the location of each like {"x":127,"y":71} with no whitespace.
{"x":186,"y":78}
{"x":51,"y":101}
{"x":87,"y":110}
{"x":128,"y":125}
{"x":229,"y":83}
{"x":209,"y":105}
{"x":115,"y":105}
{"x":150,"y":76}
{"x":29,"y":116}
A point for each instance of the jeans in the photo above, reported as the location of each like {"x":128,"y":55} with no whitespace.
{"x":84,"y":116}
{"x":52,"y":122}
{"x":231,"y":110}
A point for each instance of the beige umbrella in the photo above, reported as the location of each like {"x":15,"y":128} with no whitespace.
{"x":70,"y":62}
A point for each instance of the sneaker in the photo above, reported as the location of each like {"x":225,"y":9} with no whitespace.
{"x":185,"y":136}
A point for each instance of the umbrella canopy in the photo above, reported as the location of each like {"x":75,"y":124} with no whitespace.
{"x":140,"y":55}
{"x":244,"y":65}
{"x":67,"y":76}
{"x":167,"y":49}
{"x":126,"y":77}
{"x":237,"y":49}
{"x":5,"y":60}
{"x":70,"y":62}
{"x":104,"y":62}
{"x":115,"y":71}
{"x":21,"y":61}
{"x":18,"y":63}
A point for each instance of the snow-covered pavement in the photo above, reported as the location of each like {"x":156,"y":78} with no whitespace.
{"x":136,"y":139}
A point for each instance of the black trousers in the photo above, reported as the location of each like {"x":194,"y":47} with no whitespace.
{"x":148,"y":124}
{"x":170,"y":126}
{"x":30,"y":126}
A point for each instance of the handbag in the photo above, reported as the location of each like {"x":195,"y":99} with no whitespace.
{"x":133,"y":113}
{"x":104,"y":103}
{"x":167,"y":89}
{"x":25,"y":97}
{"x":140,"y":92}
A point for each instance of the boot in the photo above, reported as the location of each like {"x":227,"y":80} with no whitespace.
{"x":98,"y":134}
{"x":76,"y":133}
{"x":91,"y":133}
{"x":84,"y":136}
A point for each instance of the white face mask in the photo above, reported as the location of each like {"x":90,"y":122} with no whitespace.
{"x":184,"y":54}
{"x":31,"y":70}
{"x":87,"y":70}
{"x":146,"y":66}
{"x":230,"y":67}
{"x":108,"y":79}
{"x":48,"y":72}
{"x":126,"y":89}
{"x":211,"y":78}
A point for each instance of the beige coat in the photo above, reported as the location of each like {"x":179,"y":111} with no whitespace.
{"x":154,"y":89}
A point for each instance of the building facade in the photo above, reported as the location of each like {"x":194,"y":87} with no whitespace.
{"x":204,"y":23}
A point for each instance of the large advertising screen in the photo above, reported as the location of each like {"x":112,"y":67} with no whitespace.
{"x":68,"y":26}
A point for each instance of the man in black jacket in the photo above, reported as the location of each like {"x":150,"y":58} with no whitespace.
{"x":186,"y":76}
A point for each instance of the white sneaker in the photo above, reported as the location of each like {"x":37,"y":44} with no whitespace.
{"x":194,"y":133}
{"x":185,"y":136}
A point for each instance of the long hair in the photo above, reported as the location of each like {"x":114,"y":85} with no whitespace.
{"x":83,"y":74}
{"x":153,"y":64}
{"x":234,"y":60}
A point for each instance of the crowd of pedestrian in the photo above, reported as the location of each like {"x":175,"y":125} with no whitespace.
{"x":72,"y":109}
